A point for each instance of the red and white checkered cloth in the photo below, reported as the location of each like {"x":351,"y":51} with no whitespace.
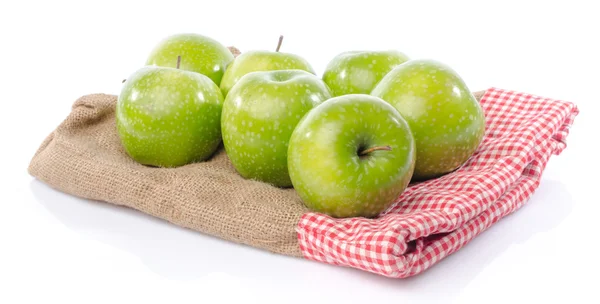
{"x":433,"y":219}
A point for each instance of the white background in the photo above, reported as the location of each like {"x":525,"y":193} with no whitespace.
{"x":55,"y":247}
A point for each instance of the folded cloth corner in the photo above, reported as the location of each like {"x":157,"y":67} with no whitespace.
{"x":435,"y":218}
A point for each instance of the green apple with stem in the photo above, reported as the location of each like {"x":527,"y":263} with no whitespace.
{"x":351,"y":156}
{"x":262,"y":60}
{"x":199,"y":53}
{"x":259,"y":115}
{"x":169,"y":117}
{"x":358,"y":72}
{"x":446,"y":119}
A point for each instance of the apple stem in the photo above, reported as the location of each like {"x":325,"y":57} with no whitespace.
{"x":372,"y":149}
{"x":178,"y":61}
{"x":279,"y":43}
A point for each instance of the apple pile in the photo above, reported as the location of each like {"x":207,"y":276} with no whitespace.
{"x":349,"y":142}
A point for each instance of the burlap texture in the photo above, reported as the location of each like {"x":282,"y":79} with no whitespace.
{"x":84,"y":157}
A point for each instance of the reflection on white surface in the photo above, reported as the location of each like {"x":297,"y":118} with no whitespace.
{"x":181,"y":254}
{"x":168,"y":250}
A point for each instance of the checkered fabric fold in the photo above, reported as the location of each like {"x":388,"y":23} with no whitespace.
{"x":433,"y":219}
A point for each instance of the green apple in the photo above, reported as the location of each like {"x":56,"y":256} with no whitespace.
{"x":198,"y":53}
{"x":351,"y":156}
{"x":447,"y":121}
{"x":357,"y":72}
{"x":261,"y":60}
{"x":259,"y":115}
{"x":168,"y":117}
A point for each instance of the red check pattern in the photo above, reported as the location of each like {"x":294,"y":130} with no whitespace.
{"x":433,"y":219}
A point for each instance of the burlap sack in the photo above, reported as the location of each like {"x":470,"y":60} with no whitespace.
{"x":84,"y":157}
